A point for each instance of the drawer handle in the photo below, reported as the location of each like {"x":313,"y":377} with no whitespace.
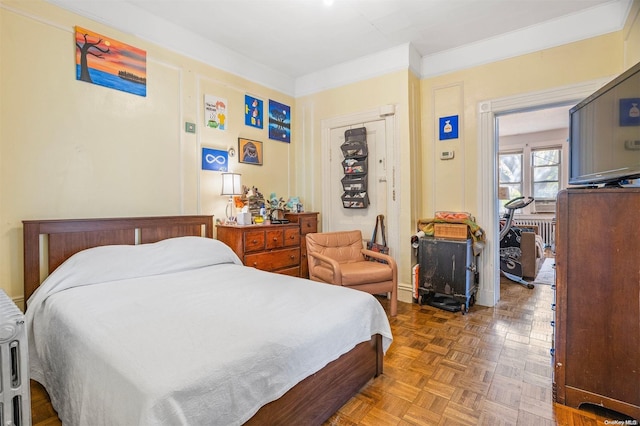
{"x":275,"y":239}
{"x":254,"y":241}
{"x":293,"y":237}
{"x":292,"y":257}
{"x":255,"y":264}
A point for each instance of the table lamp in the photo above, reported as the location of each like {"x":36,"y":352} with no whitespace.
{"x":231,"y":186}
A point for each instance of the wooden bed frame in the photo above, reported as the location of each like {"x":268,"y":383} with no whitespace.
{"x":311,"y":401}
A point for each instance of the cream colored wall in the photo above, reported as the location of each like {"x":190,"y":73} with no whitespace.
{"x":453,"y":184}
{"x":70,"y":149}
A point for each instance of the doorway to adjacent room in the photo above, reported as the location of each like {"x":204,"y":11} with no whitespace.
{"x":488,"y":113}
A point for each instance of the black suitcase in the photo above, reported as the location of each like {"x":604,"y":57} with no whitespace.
{"x":448,"y":275}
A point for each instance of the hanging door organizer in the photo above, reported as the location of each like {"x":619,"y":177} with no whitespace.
{"x":354,"y":182}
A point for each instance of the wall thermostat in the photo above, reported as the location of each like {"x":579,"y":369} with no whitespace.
{"x":446,"y":155}
{"x":632,"y":145}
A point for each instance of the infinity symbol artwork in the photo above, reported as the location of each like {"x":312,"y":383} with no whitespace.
{"x":215,"y":159}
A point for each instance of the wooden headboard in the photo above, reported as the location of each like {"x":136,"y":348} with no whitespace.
{"x":66,"y":237}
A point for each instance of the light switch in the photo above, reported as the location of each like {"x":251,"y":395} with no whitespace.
{"x":190,"y":127}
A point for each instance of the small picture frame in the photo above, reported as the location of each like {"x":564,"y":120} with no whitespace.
{"x":250,"y":151}
{"x":253,"y":111}
{"x":215,"y":160}
{"x":448,"y":128}
{"x":279,"y":121}
{"x":630,"y":112}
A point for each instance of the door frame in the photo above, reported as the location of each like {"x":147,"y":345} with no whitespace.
{"x":388,"y":113}
{"x":489,"y":291}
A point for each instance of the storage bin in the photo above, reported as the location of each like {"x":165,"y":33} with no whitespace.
{"x":355,"y":200}
{"x":359,"y":134}
{"x":453,"y":231}
{"x":354,"y":166}
{"x":354,"y":149}
{"x":354,"y":183}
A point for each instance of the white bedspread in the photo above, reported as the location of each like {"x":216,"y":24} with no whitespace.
{"x":179,"y":332}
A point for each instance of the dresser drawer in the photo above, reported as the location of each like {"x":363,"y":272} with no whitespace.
{"x":254,"y":240}
{"x":274,"y":239}
{"x":292,"y":237}
{"x":274,"y":260}
{"x":308,"y":224}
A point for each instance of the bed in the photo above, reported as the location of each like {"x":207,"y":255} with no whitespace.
{"x":151,"y":321}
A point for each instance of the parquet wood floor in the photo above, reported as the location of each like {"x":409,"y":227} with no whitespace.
{"x":489,"y":367}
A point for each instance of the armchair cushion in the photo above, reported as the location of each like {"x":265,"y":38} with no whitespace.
{"x":356,"y":273}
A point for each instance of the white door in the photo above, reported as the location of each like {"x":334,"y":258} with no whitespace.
{"x":344,"y":219}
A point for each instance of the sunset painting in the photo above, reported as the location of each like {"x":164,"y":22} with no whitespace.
{"x":110,"y":63}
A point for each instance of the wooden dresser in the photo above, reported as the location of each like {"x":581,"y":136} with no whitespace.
{"x":274,"y":248}
{"x":597,"y":324}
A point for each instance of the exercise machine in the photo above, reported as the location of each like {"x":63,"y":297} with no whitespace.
{"x":510,"y":252}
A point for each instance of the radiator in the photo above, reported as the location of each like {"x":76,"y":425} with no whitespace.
{"x":546,"y":228}
{"x":15,"y":398}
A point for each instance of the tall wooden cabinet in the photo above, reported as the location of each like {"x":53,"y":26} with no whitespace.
{"x":597,"y":324}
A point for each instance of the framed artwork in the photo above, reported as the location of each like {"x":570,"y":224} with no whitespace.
{"x":253,"y":111}
{"x":630,"y":112}
{"x":279,"y":121}
{"x":250,"y":152}
{"x":215,"y":112}
{"x":448,"y":127}
{"x":107,"y":62}
{"x":215,"y":159}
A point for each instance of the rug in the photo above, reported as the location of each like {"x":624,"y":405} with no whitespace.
{"x":547,"y":273}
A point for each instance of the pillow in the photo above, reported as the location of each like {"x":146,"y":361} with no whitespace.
{"x":118,"y":262}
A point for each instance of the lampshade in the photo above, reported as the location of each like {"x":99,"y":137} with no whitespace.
{"x":231,"y":184}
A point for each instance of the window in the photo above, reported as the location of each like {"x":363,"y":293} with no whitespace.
{"x":538,"y":177}
{"x":510,"y":176}
{"x":546,"y":174}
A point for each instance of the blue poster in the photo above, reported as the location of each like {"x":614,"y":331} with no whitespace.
{"x":252,"y":111}
{"x":279,"y":121}
{"x":630,"y":112}
{"x":214,"y":159}
{"x":448,"y":127}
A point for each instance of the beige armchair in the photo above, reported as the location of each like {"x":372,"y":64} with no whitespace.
{"x":339,"y":258}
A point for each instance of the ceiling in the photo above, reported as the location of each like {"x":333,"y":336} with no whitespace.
{"x":299,"y":37}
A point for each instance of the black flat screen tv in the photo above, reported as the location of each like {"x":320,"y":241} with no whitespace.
{"x":604,"y":133}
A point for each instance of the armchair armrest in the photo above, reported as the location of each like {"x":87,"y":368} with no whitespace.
{"x":376,"y":255}
{"x":332,"y":263}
